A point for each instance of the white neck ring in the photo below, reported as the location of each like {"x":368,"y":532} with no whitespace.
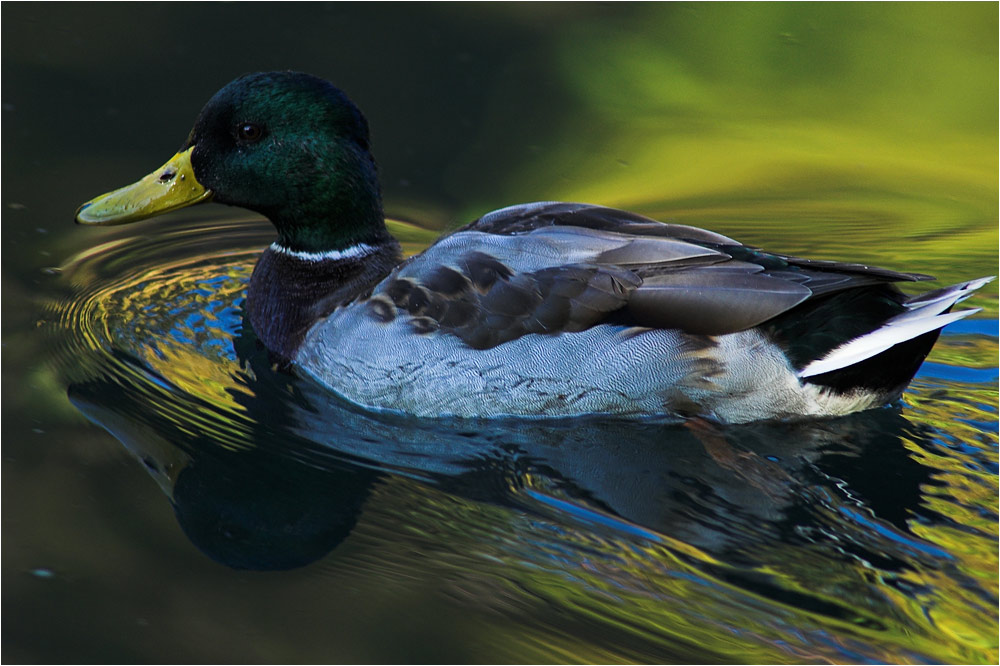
{"x":352,"y":252}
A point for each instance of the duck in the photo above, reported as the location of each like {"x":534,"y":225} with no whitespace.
{"x":537,"y":310}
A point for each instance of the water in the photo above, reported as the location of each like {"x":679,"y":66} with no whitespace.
{"x":172,"y":497}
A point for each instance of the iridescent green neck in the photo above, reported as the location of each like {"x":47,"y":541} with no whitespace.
{"x":341,"y":209}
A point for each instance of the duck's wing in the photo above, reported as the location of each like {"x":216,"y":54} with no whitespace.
{"x":558,"y":267}
{"x":532,"y":216}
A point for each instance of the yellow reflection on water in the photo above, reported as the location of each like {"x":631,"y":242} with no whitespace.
{"x":859,"y":132}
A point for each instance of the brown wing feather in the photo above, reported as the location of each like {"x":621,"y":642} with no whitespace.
{"x":552,"y":268}
{"x":488,"y":313}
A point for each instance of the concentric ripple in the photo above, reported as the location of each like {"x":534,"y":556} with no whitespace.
{"x":159,"y":313}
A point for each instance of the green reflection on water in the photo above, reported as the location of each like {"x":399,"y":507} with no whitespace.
{"x":865,"y":131}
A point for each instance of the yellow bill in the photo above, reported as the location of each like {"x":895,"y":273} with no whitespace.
{"x":170,"y":187}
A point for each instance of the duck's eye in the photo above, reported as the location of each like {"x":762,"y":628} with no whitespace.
{"x":249,"y":132}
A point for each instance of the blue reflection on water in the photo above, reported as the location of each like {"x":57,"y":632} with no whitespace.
{"x":958,"y":373}
{"x":888,"y":533}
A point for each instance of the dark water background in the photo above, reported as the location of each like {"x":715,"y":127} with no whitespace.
{"x":165,"y":500}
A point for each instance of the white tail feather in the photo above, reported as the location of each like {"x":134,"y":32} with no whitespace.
{"x":923,"y":316}
{"x":949,"y":295}
{"x":879,"y":340}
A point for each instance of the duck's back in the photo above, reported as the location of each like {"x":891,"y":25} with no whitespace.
{"x":557,"y":309}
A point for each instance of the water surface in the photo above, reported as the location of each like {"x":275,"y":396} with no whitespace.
{"x":170,"y":496}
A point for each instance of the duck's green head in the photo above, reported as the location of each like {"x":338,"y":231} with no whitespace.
{"x":285,"y":144}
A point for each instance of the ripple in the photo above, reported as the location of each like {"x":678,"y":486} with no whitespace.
{"x":158,"y":314}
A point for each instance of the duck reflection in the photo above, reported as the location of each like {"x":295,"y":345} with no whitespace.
{"x":288,"y":486}
{"x":247,"y":508}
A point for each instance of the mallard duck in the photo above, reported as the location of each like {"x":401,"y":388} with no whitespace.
{"x":538,"y":310}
